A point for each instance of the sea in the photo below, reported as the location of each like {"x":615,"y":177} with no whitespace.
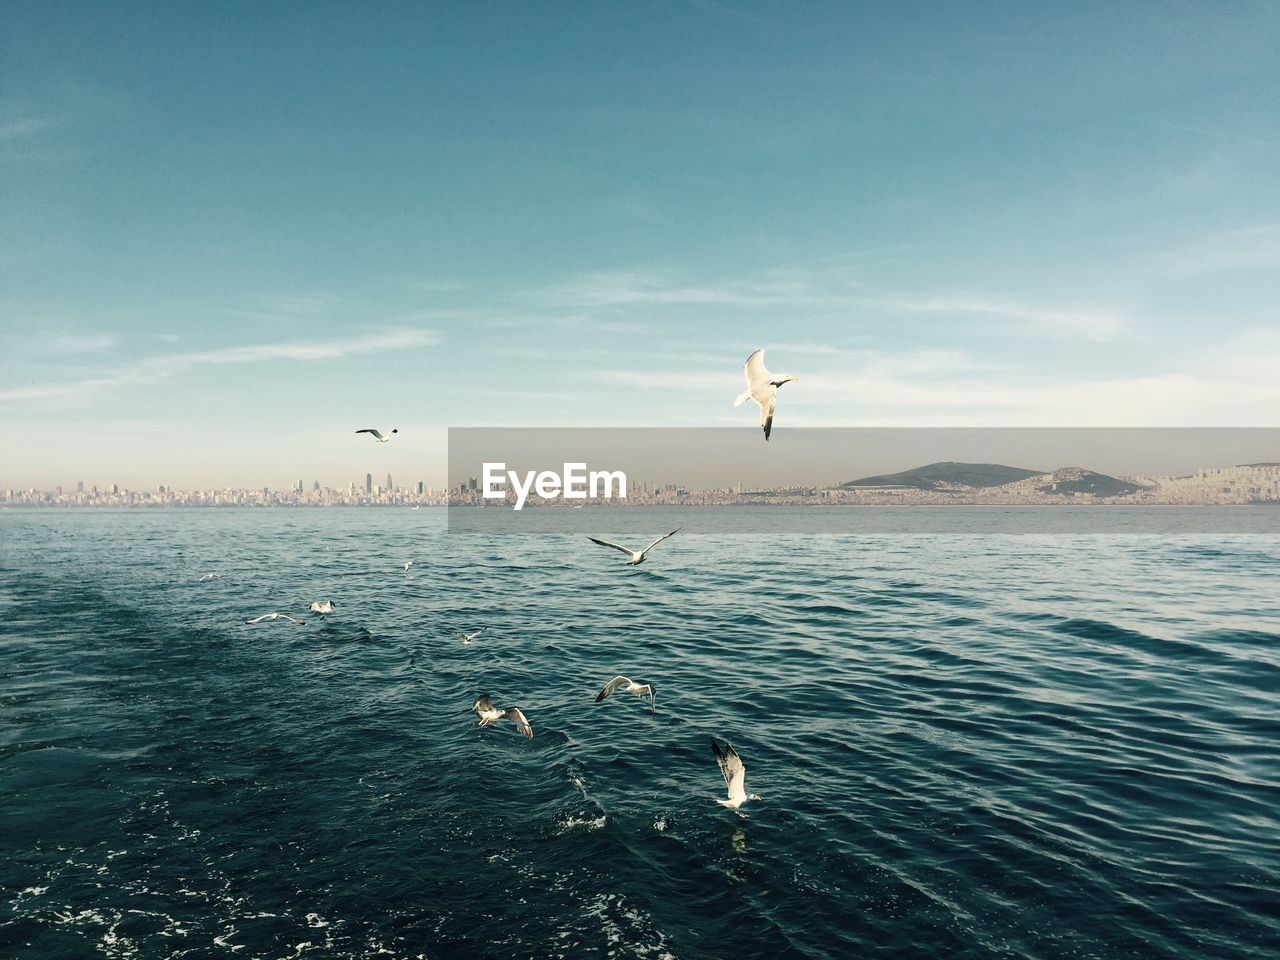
{"x":967,"y":746}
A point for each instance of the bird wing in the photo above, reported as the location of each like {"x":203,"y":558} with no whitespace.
{"x":755,"y":370}
{"x":301,"y":623}
{"x":766,"y":414}
{"x":376,"y":434}
{"x":265,"y":616}
{"x":514,"y":714}
{"x":660,"y":539}
{"x":482,"y":704}
{"x":476,"y":633}
{"x":731,"y":767}
{"x":611,"y":686}
{"x":606,"y":543}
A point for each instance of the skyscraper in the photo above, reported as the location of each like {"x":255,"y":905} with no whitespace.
{"x":368,"y":483}
{"x":389,"y":486}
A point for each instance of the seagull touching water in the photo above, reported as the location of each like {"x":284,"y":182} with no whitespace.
{"x":322,"y":607}
{"x":277,"y":616}
{"x":468,"y":637}
{"x":762,"y":387}
{"x":637,"y":556}
{"x":734,"y":775}
{"x":488,"y":713}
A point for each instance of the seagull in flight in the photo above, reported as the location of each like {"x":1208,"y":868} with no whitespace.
{"x":377,"y":434}
{"x":277,"y":616}
{"x":322,"y":607}
{"x":637,"y":556}
{"x":488,"y":713}
{"x":734,"y":775}
{"x":210,"y":576}
{"x":637,"y":689}
{"x":762,"y":387}
{"x":468,"y":637}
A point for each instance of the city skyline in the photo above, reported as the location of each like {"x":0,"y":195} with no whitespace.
{"x":226,"y":243}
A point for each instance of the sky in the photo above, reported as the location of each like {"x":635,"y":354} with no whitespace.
{"x":232,"y":234}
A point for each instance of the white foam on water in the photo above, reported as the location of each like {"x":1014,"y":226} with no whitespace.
{"x":588,"y":823}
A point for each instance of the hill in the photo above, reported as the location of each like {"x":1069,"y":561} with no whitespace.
{"x":947,"y":473}
{"x":1069,"y":480}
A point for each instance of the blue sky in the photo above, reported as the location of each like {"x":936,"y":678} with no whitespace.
{"x":232,"y":234}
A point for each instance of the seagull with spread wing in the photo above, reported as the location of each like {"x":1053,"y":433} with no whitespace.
{"x":277,"y":616}
{"x":637,"y":556}
{"x":488,"y":713}
{"x":735,"y":774}
{"x":377,"y":434}
{"x":468,"y":637}
{"x":762,"y":387}
{"x":322,"y":606}
{"x":636,"y":689}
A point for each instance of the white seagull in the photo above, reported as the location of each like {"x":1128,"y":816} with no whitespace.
{"x":210,"y":576}
{"x":734,"y":775}
{"x":637,"y":689}
{"x":488,"y":713}
{"x":762,"y":387}
{"x":637,"y":556}
{"x":322,"y":607}
{"x":377,"y":434}
{"x":407,"y":565}
{"x":277,"y":616}
{"x":468,"y":637}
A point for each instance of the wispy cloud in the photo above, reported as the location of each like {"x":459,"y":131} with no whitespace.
{"x":23,"y":129}
{"x":1024,"y":317}
{"x":161,"y":368}
{"x":83,"y":343}
{"x":769,"y":288}
{"x":1253,"y":247}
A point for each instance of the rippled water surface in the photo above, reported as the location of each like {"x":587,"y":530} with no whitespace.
{"x":967,"y":746}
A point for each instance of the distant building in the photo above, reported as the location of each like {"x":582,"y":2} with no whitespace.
{"x":368,"y":483}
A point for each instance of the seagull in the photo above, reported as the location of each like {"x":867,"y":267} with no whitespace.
{"x":734,"y":775}
{"x":762,"y":387}
{"x":377,"y":434}
{"x":488,"y":713}
{"x":638,"y":689}
{"x":407,"y":565}
{"x":322,"y":607}
{"x":210,"y":576}
{"x":277,"y":616}
{"x":468,"y":637}
{"x":637,"y":556}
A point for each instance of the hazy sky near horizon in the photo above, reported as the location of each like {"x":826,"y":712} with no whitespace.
{"x":232,"y":234}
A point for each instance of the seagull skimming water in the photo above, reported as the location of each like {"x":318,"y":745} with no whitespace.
{"x":277,"y":616}
{"x":468,"y":637}
{"x":636,"y":689}
{"x":762,"y":387}
{"x":734,"y":776}
{"x":637,"y":556}
{"x":488,"y":713}
{"x":322,"y":607}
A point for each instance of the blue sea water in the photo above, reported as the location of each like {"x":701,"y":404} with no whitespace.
{"x":967,"y":746}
